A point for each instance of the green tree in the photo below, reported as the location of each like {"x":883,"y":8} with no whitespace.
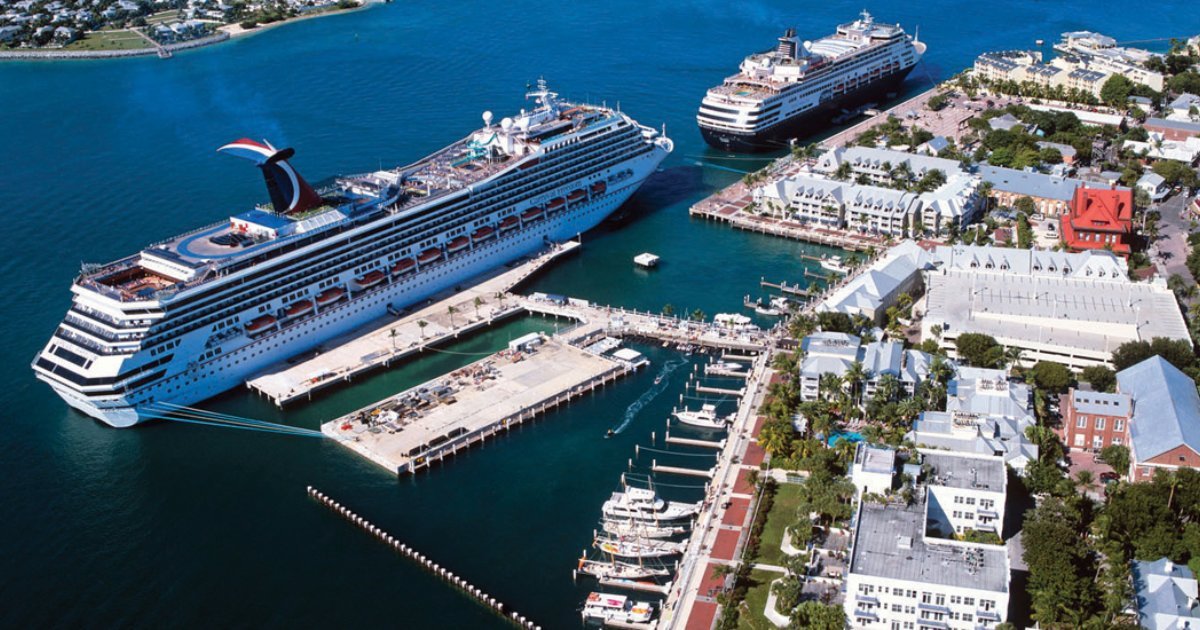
{"x":422,"y":323}
{"x":1025,"y":204}
{"x":1175,"y":172}
{"x":979,"y":350}
{"x":451,"y":310}
{"x":1052,"y":377}
{"x":1176,"y":351}
{"x":1101,"y":378}
{"x":1117,"y":456}
{"x":1116,"y":90}
{"x":477,"y":303}
{"x":1059,"y":563}
{"x":818,"y":616}
{"x":668,"y":310}
{"x":829,"y":321}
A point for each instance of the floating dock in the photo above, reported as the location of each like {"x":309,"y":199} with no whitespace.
{"x":424,"y":425}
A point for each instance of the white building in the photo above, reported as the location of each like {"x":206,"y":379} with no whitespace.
{"x":874,"y":469}
{"x":834,"y":353}
{"x":1185,"y":107}
{"x":985,"y":414}
{"x":966,"y":492}
{"x":1072,"y":308}
{"x":873,"y":290}
{"x":1154,"y":185}
{"x":1158,"y":148}
{"x":900,"y":578}
{"x":1100,"y":53}
{"x":1165,"y":595}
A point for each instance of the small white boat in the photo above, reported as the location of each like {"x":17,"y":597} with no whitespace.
{"x":609,"y":608}
{"x":705,"y":418}
{"x":834,"y":264}
{"x":644,"y":505}
{"x":770,"y":311}
{"x":638,"y":547}
{"x":620,"y":570}
{"x":642,"y":529}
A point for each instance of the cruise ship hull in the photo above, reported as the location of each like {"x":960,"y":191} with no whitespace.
{"x":231,"y":370}
{"x":812,"y":122}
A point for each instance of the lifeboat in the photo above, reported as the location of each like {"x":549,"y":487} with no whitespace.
{"x":530,"y":163}
{"x":260,"y":324}
{"x":482,"y":233}
{"x":576,"y":195}
{"x":329,"y":296}
{"x":429,"y":255}
{"x":599,"y":187}
{"x":297,"y":309}
{"x":403,"y":266}
{"x":370,"y":279}
{"x":532,"y":214}
{"x":556,"y":204}
{"x":509,"y":223}
{"x":458,"y":244}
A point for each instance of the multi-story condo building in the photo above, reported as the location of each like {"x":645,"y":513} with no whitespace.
{"x":1100,"y":53}
{"x":835,"y":353}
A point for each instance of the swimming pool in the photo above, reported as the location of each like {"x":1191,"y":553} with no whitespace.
{"x":850,"y":436}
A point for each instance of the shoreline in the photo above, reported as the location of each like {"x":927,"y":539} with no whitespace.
{"x":224,"y":33}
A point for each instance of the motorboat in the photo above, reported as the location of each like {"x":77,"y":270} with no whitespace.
{"x":644,"y":505}
{"x":705,"y":418}
{"x":609,"y":608}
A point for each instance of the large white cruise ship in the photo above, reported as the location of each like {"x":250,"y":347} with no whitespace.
{"x":195,"y":315}
{"x":797,"y":88}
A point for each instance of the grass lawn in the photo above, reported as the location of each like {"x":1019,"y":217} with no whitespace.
{"x":751,"y":617}
{"x":782,"y":514}
{"x":109,"y":40}
{"x":171,"y":15}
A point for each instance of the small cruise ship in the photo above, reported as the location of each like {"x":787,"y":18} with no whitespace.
{"x":194,"y":315}
{"x":797,"y":88}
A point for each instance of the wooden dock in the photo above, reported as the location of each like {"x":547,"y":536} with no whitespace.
{"x":706,"y":389}
{"x":789,"y":289}
{"x":693,"y":442}
{"x":679,"y":470}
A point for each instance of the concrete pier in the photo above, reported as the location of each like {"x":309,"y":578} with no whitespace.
{"x":693,"y":442}
{"x":426,"y":424}
{"x":705,"y":389}
{"x":679,"y":470}
{"x":477,"y":594}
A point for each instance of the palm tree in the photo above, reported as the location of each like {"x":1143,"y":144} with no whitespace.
{"x":422,"y":323}
{"x":1085,"y":480}
{"x":828,"y":385}
{"x":668,"y":310}
{"x":698,"y":315}
{"x":720,"y":571}
{"x":1012,"y":356}
{"x":853,"y":378}
{"x":478,"y":302}
{"x":392,"y":335}
{"x":452,"y":311}
{"x":940,"y":370}
{"x":500,"y":298}
{"x":909,"y":408}
{"x":887,"y":388}
{"x":775,"y":438}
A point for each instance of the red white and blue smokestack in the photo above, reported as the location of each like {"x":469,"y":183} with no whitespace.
{"x":289,"y":192}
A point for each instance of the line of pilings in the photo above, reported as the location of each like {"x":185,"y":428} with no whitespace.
{"x":421,"y":559}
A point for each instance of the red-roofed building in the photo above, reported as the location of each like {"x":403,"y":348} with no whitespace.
{"x":1099,"y":218}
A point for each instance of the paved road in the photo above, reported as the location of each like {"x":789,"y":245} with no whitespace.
{"x":1170,"y":251}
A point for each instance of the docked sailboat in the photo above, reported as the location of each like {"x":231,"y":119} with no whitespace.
{"x":609,"y":608}
{"x":638,"y":547}
{"x":705,"y":418}
{"x":620,"y":570}
{"x":630,"y":527}
{"x":644,"y":505}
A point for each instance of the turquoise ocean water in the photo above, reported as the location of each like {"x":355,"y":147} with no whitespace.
{"x":172,"y":525}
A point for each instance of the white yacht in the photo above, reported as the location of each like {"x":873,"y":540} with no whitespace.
{"x":797,"y":88}
{"x":608,"y":608}
{"x":644,"y":505}
{"x":629,"y":527}
{"x":194,"y":315}
{"x":620,"y":570}
{"x":638,"y":547}
{"x":705,"y":418}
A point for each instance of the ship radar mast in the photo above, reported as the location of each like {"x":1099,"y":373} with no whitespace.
{"x":866,"y":17}
{"x":542,"y":95}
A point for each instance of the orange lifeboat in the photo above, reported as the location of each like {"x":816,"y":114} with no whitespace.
{"x":370,"y":279}
{"x":403,"y":266}
{"x":329,"y":296}
{"x":429,"y":255}
{"x":556,"y":204}
{"x":509,"y":223}
{"x":458,"y":244}
{"x":483,"y":233}
{"x":599,"y":187}
{"x":576,"y":195}
{"x":297,"y":309}
{"x":260,"y":324}
{"x":532,"y":214}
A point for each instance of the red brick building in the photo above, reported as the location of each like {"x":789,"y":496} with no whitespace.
{"x":1093,"y":420}
{"x":1173,"y":129}
{"x":1099,"y":218}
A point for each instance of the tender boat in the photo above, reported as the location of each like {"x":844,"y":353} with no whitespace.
{"x":509,"y":223}
{"x":298,"y":308}
{"x":482,"y":233}
{"x":260,"y":325}
{"x":531,"y":215}
{"x":576,"y":195}
{"x":370,"y":279}
{"x":403,"y":266}
{"x":599,"y":188}
{"x":609,"y":608}
{"x":458,"y":244}
{"x":620,"y":570}
{"x":556,"y":204}
{"x":429,"y":255}
{"x":706,"y":418}
{"x":644,"y":505}
{"x":642,"y":529}
{"x":329,"y":296}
